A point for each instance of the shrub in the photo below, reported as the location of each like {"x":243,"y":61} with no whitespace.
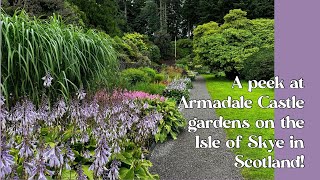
{"x":144,"y":46}
{"x":172,"y":122}
{"x":259,"y":66}
{"x":154,"y":53}
{"x":151,"y":88}
{"x":173,"y":72}
{"x":184,"y":47}
{"x":159,"y":77}
{"x":134,"y":76}
{"x":191,"y":75}
{"x":150,"y":72}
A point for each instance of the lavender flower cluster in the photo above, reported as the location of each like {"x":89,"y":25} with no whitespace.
{"x":178,"y":88}
{"x":179,"y":85}
{"x":43,"y":138}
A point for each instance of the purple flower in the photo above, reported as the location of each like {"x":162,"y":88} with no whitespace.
{"x":26,"y":148}
{"x":81,"y":94}
{"x":102,"y":154}
{"x":114,"y":170}
{"x":6,"y":160}
{"x":87,"y":154}
{"x":47,"y":80}
{"x":80,"y":173}
{"x":37,"y":168}
{"x":54,"y":156}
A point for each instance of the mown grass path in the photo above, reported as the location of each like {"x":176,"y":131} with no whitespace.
{"x":179,"y":159}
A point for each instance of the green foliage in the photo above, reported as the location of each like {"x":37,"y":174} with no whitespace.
{"x":172,"y":123}
{"x":159,"y":77}
{"x":162,"y":40}
{"x":263,"y":30}
{"x":43,"y":9}
{"x":206,"y":29}
{"x":132,"y":166}
{"x":151,"y":88}
{"x":226,"y":50}
{"x":184,"y":48}
{"x":259,"y":66}
{"x":135,"y":47}
{"x":134,"y":76}
{"x":74,"y":57}
{"x":150,"y":72}
{"x":154,"y":53}
{"x":101,"y":14}
{"x":149,"y":19}
{"x":237,"y":19}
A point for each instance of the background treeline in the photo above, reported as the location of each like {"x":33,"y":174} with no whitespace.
{"x":176,"y":18}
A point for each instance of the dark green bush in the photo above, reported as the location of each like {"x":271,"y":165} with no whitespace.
{"x":134,"y":76}
{"x":150,"y":72}
{"x":154,"y":53}
{"x":259,"y":66}
{"x":184,"y":47}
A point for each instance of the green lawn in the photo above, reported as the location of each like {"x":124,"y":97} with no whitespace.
{"x":220,"y":88}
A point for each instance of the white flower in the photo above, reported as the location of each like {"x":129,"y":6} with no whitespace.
{"x":47,"y":80}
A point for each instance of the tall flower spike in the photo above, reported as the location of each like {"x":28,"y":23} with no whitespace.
{"x":47,"y":80}
{"x":6,"y":160}
{"x":80,"y":173}
{"x":102,"y":154}
{"x":114,"y":170}
{"x":38,"y":169}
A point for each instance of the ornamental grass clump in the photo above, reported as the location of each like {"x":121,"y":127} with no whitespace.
{"x":74,"y":57}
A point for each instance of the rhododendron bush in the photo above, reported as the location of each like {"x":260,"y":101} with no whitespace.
{"x":102,"y":136}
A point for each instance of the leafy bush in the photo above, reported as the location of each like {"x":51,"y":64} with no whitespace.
{"x":159,"y":77}
{"x":150,"y":72}
{"x":259,"y":66}
{"x":128,"y":52}
{"x":184,"y":47}
{"x":151,"y":88}
{"x":73,"y":57}
{"x":172,"y":121}
{"x":172,"y":72}
{"x":134,"y":76}
{"x":226,"y":48}
{"x":191,"y":75}
{"x":144,"y":46}
{"x":154,"y":53}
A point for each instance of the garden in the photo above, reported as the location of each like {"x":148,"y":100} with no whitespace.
{"x":85,"y":95}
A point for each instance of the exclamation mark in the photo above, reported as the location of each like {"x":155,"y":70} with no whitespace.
{"x":301,"y":157}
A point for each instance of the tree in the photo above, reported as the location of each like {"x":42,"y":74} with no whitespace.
{"x":226,"y":47}
{"x":102,"y":14}
{"x":150,"y":17}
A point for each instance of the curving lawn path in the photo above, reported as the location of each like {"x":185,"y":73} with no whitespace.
{"x":180,"y":160}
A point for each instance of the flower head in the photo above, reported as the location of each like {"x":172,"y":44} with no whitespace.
{"x":47,"y":80}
